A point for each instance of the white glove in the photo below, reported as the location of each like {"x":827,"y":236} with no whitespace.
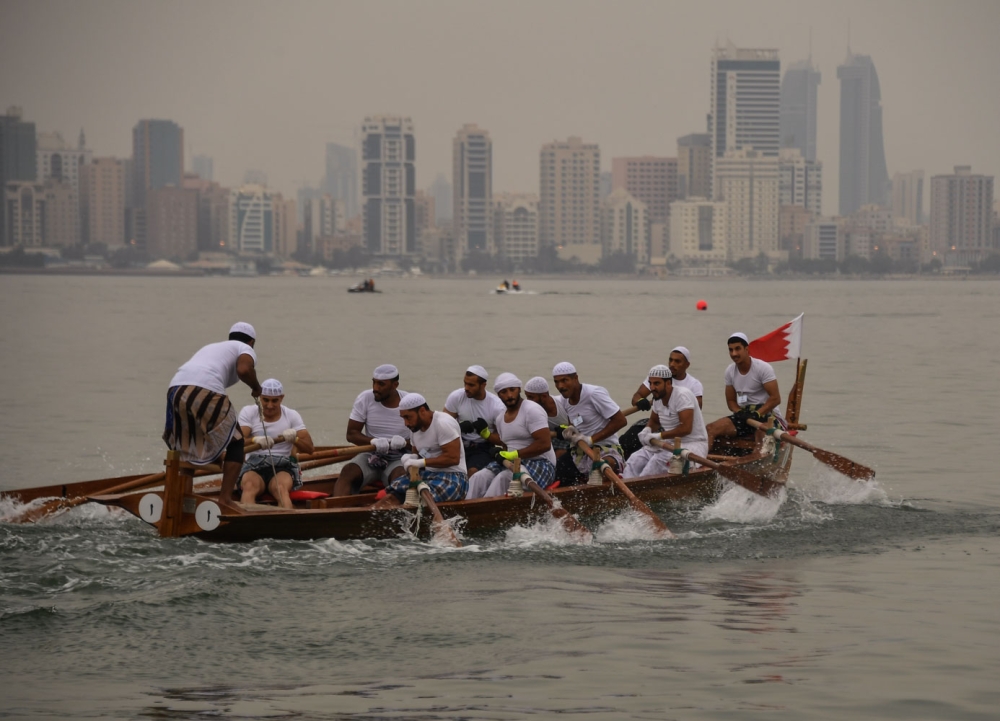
{"x":288,"y":435}
{"x":408,"y":456}
{"x":263,"y":441}
{"x":381,"y":445}
{"x":397,"y":443}
{"x":645,"y":434}
{"x":569,"y":432}
{"x":414,"y":462}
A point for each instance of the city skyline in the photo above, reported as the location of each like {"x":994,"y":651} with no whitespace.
{"x":947,"y":67}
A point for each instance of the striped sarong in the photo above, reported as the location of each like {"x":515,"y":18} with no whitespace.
{"x":200,"y":423}
{"x":444,"y":485}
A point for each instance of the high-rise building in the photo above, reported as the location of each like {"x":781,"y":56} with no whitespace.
{"x":424,"y":204}
{"x":698,"y":231}
{"x":625,"y":226}
{"x":792,"y":222}
{"x":607,"y":183}
{"x":651,"y":179}
{"x":569,"y":209}
{"x":516,"y":223}
{"x":171,"y":222}
{"x":62,"y":214}
{"x":389,"y":185}
{"x":824,"y":239}
{"x":801,"y":181}
{"x":748,"y":182}
{"x":251,"y":220}
{"x":204,"y":167}
{"x":962,"y":212}
{"x":25,"y":204}
{"x":285,"y":226}
{"x":694,"y":166}
{"x":213,"y":213}
{"x":157,"y":157}
{"x":863,"y":175}
{"x":441,"y":190}
{"x":799,"y":91}
{"x":745,"y":101}
{"x":323,"y":217}
{"x":102,"y":202}
{"x":18,"y":162}
{"x":908,"y":196}
{"x":59,"y":166}
{"x":341,"y":179}
{"x":472,"y":184}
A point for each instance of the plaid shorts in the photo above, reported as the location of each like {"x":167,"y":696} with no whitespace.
{"x":541,"y":470}
{"x":261,"y":465}
{"x":444,"y":485}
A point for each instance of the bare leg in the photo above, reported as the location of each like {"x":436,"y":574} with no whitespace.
{"x":279,"y":487}
{"x":252,"y":485}
{"x":722,"y":428}
{"x":230,"y":474}
{"x":349,"y":480}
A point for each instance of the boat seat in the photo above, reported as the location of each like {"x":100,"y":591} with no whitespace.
{"x":299,"y":495}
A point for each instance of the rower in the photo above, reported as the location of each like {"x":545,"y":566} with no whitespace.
{"x":594,"y":418}
{"x":751,"y":392}
{"x":524,"y":429}
{"x":676,"y":414}
{"x":476,"y":410}
{"x":273,"y":468}
{"x":375,"y":420}
{"x":201,"y":422}
{"x":440,"y":455}
{"x":537,"y":390}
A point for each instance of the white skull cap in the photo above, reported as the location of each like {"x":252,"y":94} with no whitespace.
{"x":385,"y":372}
{"x":506,"y":380}
{"x":536,"y":385}
{"x":683,"y":351}
{"x":478,"y":371}
{"x":411,"y":401}
{"x":244,"y":328}
{"x":742,"y":336}
{"x":564,"y":369}
{"x":272,"y":387}
{"x":660,"y":371}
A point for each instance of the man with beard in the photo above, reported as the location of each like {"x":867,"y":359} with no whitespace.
{"x":676,"y":414}
{"x":524,"y":429}
{"x":476,"y":410}
{"x":375,"y":420}
{"x":537,"y":390}
{"x":751,"y":393}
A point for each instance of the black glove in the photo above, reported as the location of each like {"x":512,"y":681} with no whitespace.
{"x":480,"y":425}
{"x":494,"y":452}
{"x":643,"y":404}
{"x":467,"y":427}
{"x":754,"y":415}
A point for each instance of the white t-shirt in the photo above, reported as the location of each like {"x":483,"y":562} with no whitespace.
{"x":443,"y":428}
{"x":681,"y":399}
{"x":469,"y":409}
{"x":593,"y":411}
{"x":689,"y":382}
{"x":379,"y":421}
{"x":531,"y":417}
{"x":560,"y":419}
{"x":213,"y":367}
{"x":249,"y":416}
{"x":750,"y":387}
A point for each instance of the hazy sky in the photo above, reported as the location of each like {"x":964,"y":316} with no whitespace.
{"x":265,"y":85}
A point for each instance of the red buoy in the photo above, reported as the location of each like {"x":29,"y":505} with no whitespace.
{"x":701,"y":305}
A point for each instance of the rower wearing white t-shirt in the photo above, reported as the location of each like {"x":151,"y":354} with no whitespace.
{"x":524,"y":429}
{"x":272,"y":468}
{"x":476,"y":410}
{"x":594,"y":418}
{"x":751,"y":392}
{"x":675,"y":415}
{"x":537,"y":391}
{"x":375,"y":420}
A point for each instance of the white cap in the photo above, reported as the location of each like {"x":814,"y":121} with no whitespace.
{"x":271,"y":387}
{"x":536,"y":385}
{"x":478,"y":371}
{"x":506,"y":380}
{"x":564,"y":369}
{"x":385,"y":372}
{"x":660,"y":371}
{"x":411,"y":401}
{"x":244,"y":328}
{"x":683,"y":351}
{"x":742,"y":336}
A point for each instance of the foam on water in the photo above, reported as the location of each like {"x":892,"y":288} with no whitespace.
{"x":824,"y":485}
{"x":738,"y":505}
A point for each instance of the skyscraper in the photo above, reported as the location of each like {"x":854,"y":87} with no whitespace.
{"x":158,"y":157}
{"x":652,"y":180}
{"x":441,"y":190}
{"x":569,"y":210}
{"x":203,"y":167}
{"x":341,"y":180}
{"x":962,"y":212}
{"x":625,"y":226}
{"x":694,"y":166}
{"x":251,"y":220}
{"x":388,"y":180}
{"x":863,"y":175}
{"x":908,"y":196}
{"x":801,"y":181}
{"x":102,"y":202}
{"x":745,"y":101}
{"x":17,"y":162}
{"x":749,"y":183}
{"x":472,"y":183}
{"x":799,"y":90}
{"x":516,"y":223}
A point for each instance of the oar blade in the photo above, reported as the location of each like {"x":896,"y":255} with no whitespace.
{"x":49,"y":508}
{"x":443,"y":533}
{"x":571,"y":524}
{"x":755,"y":484}
{"x":844,"y":465}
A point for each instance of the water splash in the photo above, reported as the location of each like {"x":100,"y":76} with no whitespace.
{"x":546,"y":531}
{"x":626,"y":527}
{"x":824,"y":485}
{"x":738,"y":505}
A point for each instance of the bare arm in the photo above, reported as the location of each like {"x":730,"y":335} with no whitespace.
{"x":451,"y":454}
{"x":731,"y":399}
{"x":541,"y":443}
{"x":304,"y":442}
{"x":699,"y":401}
{"x":355,"y":433}
{"x":642,"y":392}
{"x":653,"y":423}
{"x":248,"y":374}
{"x":615,"y":424}
{"x":247,"y":432}
{"x":453,"y":415}
{"x":686,"y":418}
{"x":773,"y":398}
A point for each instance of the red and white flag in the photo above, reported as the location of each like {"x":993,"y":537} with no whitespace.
{"x":780,"y":344}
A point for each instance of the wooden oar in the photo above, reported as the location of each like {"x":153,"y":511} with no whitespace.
{"x":340,"y":452}
{"x":837,"y":462}
{"x":637,"y":504}
{"x":569,"y":521}
{"x":442,"y":531}
{"x":757,"y":484}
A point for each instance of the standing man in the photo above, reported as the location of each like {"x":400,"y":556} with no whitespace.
{"x":201,"y":422}
{"x":375,"y":420}
{"x":273,"y":468}
{"x":524,"y":429}
{"x":751,"y":392}
{"x":537,"y":391}
{"x":676,"y":414}
{"x":476,"y":410}
{"x":594,"y":418}
{"x":440,"y":455}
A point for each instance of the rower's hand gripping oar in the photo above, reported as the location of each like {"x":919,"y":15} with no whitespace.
{"x":751,"y":482}
{"x":442,"y":531}
{"x":569,"y":521}
{"x":837,"y":462}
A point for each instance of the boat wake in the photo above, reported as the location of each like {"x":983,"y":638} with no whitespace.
{"x":738,"y":505}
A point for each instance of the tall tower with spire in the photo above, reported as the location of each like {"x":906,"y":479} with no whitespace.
{"x":864,"y":178}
